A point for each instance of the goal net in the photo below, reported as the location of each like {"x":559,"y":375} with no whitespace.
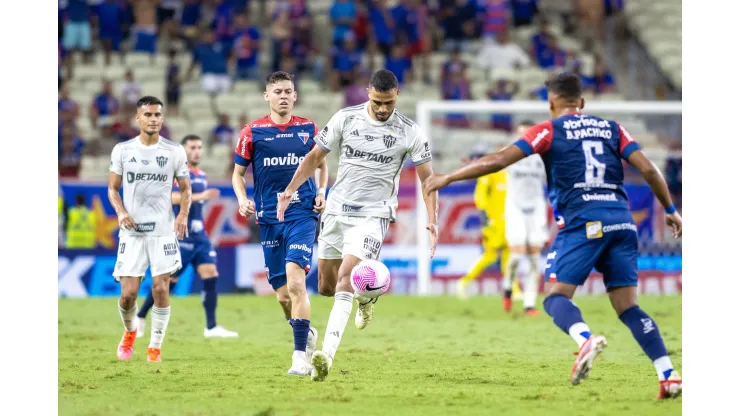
{"x":459,"y":129}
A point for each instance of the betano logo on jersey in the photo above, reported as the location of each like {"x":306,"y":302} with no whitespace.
{"x":351,"y":153}
{"x":151,"y":177}
{"x":289,"y":160}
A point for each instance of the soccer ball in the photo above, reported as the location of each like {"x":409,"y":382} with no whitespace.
{"x":370,"y":279}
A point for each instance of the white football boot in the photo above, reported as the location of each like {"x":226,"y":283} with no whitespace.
{"x":321,"y":363}
{"x":300,"y":367}
{"x":219,"y":332}
{"x":364,"y":312}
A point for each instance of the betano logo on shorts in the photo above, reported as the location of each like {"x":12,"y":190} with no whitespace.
{"x":301,"y":247}
{"x":290,"y":160}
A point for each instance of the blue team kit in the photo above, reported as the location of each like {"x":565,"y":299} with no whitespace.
{"x":196,"y":248}
{"x":583,"y":160}
{"x":275,"y":151}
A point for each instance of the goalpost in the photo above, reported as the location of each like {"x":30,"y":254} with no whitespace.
{"x":654,"y":116}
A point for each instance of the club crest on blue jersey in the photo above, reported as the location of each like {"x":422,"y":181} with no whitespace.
{"x":303,"y":136}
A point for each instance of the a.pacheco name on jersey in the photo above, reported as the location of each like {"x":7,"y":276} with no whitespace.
{"x":289,"y":160}
{"x":349,"y":152}
{"x":587,"y":128}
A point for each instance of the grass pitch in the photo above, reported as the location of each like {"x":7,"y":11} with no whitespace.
{"x":419,"y":356}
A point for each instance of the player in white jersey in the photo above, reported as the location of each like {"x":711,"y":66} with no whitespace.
{"x":525,"y":213}
{"x":374,"y":140}
{"x":147,"y":166}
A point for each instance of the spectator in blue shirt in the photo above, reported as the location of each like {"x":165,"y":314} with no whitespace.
{"x":552,"y":56}
{"x":77,"y":33}
{"x":342,"y":14}
{"x":603,"y":79}
{"x":189,"y":18}
{"x":223,"y":133}
{"x":382,"y":26}
{"x":104,"y":105}
{"x":110,"y":16}
{"x":504,"y":90}
{"x":213,"y":59}
{"x":399,"y":63}
{"x":345,"y":60}
{"x":523,"y":12}
{"x":246,"y":49}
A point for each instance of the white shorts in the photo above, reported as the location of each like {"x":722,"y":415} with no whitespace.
{"x":361,"y":237}
{"x":215,"y":83}
{"x":136,"y":253}
{"x":526,"y":227}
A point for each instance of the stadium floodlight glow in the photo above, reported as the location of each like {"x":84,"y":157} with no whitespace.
{"x":424,"y":110}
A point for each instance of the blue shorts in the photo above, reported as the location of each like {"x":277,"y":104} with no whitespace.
{"x":145,"y":42}
{"x":290,"y":241}
{"x":196,"y":252}
{"x":605,"y":240}
{"x":77,"y":35}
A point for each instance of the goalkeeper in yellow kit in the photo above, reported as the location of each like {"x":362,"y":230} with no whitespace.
{"x":489,"y":197}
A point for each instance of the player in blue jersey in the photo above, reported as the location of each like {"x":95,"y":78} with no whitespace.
{"x":274,"y":145}
{"x":196,"y":248}
{"x":583,"y":160}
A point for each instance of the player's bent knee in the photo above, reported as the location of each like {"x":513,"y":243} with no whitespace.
{"x":297,"y":289}
{"x":326,"y":289}
{"x":207,"y":271}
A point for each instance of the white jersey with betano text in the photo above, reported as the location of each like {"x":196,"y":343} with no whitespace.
{"x":525,"y":184}
{"x":147,"y":174}
{"x":372,"y":154}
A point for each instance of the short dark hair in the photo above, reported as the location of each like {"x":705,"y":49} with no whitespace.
{"x":188,"y":138}
{"x":148,"y":100}
{"x":80,"y":199}
{"x":383,"y":80}
{"x":526,"y":123}
{"x":566,"y":85}
{"x":278,"y":76}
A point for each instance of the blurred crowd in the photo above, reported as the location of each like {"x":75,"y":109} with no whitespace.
{"x":226,"y":42}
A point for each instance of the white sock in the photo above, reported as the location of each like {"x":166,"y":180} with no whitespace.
{"x":512,"y":267}
{"x":533,"y":282}
{"x":664,"y":367}
{"x":577,"y":332}
{"x":130,"y":323}
{"x":160,"y":319}
{"x":337,"y":322}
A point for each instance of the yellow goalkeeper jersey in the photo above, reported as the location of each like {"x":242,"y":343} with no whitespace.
{"x":490,"y":196}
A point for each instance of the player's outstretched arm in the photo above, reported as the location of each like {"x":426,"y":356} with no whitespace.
{"x":186,"y":195}
{"x":490,"y":163}
{"x":425,"y":171}
{"x":114,"y":196}
{"x":305,"y":169}
{"x":246,"y":207}
{"x":657,"y":183}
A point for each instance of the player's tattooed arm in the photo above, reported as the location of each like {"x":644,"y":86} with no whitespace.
{"x":322,"y":179}
{"x":246,"y":206}
{"x":186,"y":195}
{"x":657,"y":183}
{"x":490,"y":163}
{"x":425,"y":171}
{"x":305,"y":169}
{"x":114,"y":186}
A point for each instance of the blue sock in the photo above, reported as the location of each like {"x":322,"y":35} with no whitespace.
{"x":300,"y":333}
{"x":210,"y":297}
{"x":566,"y":315}
{"x":646,"y":332}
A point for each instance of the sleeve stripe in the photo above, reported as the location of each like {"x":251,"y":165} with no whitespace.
{"x":526,"y":147}
{"x":239,"y":160}
{"x":321,"y":145}
{"x":629,"y":149}
{"x":420,"y":162}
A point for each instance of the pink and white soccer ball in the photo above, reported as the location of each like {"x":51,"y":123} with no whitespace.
{"x":370,"y":279}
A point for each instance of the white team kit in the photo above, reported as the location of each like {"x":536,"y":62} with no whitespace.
{"x":525,"y":209}
{"x":147,"y":174}
{"x":363,"y":200}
